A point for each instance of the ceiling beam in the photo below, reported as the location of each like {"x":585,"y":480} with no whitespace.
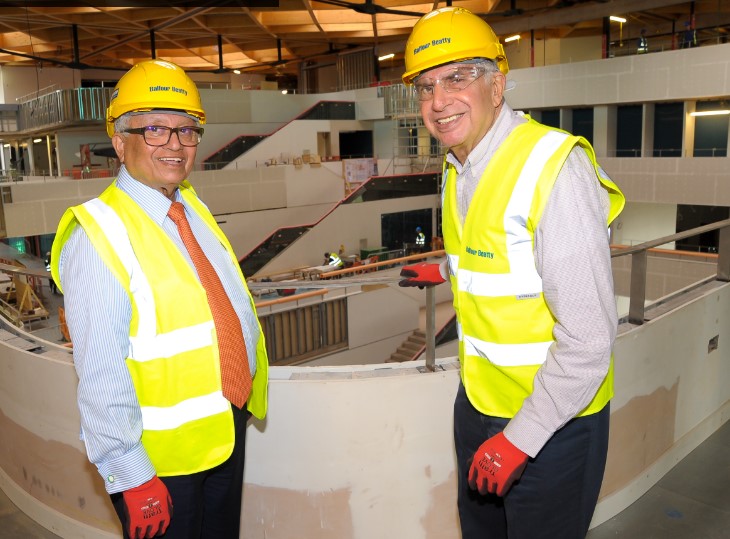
{"x":575,"y":14}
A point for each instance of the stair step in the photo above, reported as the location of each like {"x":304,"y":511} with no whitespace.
{"x":399,"y":357}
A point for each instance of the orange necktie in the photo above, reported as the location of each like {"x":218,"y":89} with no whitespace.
{"x":235,"y":372}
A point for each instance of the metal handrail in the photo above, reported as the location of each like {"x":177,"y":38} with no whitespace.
{"x":639,"y":258}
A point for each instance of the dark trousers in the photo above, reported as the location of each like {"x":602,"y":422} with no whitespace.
{"x":557,"y":493}
{"x":206,"y":505}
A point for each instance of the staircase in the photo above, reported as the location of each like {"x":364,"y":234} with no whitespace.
{"x":410,"y":348}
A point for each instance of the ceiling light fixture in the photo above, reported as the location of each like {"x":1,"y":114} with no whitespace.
{"x":37,"y":140}
{"x":386,"y":57}
{"x":512,"y":38}
{"x":718,"y":112}
{"x":614,"y":18}
{"x":237,"y":71}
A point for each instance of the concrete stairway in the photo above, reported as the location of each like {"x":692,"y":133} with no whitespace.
{"x":408,"y":350}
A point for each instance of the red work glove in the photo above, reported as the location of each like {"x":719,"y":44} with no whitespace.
{"x":420,"y":275}
{"x":496,"y":465}
{"x":148,"y":509}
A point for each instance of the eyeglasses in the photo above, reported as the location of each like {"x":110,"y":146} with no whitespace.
{"x":159,"y":135}
{"x":455,"y":80}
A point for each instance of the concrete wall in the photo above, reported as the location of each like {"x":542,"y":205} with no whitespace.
{"x":698,"y":73}
{"x":239,"y":195}
{"x":363,"y":452}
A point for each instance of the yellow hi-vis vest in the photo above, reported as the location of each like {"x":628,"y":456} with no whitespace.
{"x":505,"y":326}
{"x":173,"y":355}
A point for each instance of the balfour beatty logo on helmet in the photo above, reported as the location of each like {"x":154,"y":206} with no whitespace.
{"x":433,"y":42}
{"x":168,"y":89}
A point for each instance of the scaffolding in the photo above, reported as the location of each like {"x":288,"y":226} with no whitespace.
{"x":415,"y":150}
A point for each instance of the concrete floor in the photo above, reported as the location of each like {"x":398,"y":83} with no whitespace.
{"x":691,"y":502}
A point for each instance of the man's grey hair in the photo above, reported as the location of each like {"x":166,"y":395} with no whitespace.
{"x":121,"y":124}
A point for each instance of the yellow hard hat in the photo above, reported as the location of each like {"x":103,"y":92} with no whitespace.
{"x":150,"y":85}
{"x":450,"y":34}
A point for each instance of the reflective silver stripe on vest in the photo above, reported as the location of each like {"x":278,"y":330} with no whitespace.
{"x":147,"y":344}
{"x":453,"y":261}
{"x":507,"y":355}
{"x":115,"y":231}
{"x":171,"y":417}
{"x":172,"y":343}
{"x":523,"y":278}
{"x":498,"y":284}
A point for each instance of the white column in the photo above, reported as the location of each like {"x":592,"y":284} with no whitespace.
{"x":50,"y":155}
{"x":31,"y":157}
{"x":566,"y":120}
{"x":604,"y":130}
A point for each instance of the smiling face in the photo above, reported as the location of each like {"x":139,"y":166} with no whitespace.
{"x":459,"y":120}
{"x":162,"y":168}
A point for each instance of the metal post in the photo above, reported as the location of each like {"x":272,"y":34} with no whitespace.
{"x":723,"y":259}
{"x":431,"y":328}
{"x":638,"y":287}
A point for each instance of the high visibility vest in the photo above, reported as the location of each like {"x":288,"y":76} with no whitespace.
{"x":505,"y":326}
{"x":335,"y":261}
{"x":421,"y":239}
{"x":173,"y":355}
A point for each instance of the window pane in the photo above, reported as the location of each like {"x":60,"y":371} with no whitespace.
{"x":583,"y":123}
{"x":551,"y":118}
{"x":628,"y":131}
{"x":668,"y":126}
{"x":711,"y":131}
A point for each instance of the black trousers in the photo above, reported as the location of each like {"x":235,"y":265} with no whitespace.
{"x":206,"y":505}
{"x":557,"y":493}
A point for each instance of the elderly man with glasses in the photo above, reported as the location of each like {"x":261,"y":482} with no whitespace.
{"x":526,"y":210}
{"x":168,"y":349}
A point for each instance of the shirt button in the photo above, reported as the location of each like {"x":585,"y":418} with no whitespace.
{"x":110,"y":478}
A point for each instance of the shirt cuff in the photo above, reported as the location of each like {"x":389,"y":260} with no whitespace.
{"x":528,"y":436}
{"x":128,"y":471}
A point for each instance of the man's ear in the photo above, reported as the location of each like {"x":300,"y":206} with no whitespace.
{"x":118,"y":143}
{"x":498,"y":86}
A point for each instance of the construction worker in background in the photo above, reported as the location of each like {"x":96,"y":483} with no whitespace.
{"x":168,"y":349}
{"x":332,"y":259}
{"x":689,"y":36}
{"x":642,"y":45}
{"x":525,"y":214}
{"x":420,"y":240}
{"x":51,"y":282}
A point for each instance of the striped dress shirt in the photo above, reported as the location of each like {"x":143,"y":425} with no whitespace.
{"x":573,"y":258}
{"x":98,"y":313}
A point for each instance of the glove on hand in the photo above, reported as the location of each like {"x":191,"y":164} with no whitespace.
{"x":496,"y":465}
{"x":420,"y":275}
{"x":148,"y":509}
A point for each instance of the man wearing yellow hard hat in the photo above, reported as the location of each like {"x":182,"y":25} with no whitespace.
{"x":526,"y":210}
{"x":169,"y":352}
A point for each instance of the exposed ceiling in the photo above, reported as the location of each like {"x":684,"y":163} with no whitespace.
{"x":279,"y":39}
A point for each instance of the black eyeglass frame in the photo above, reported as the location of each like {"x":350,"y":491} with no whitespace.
{"x":170,"y":130}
